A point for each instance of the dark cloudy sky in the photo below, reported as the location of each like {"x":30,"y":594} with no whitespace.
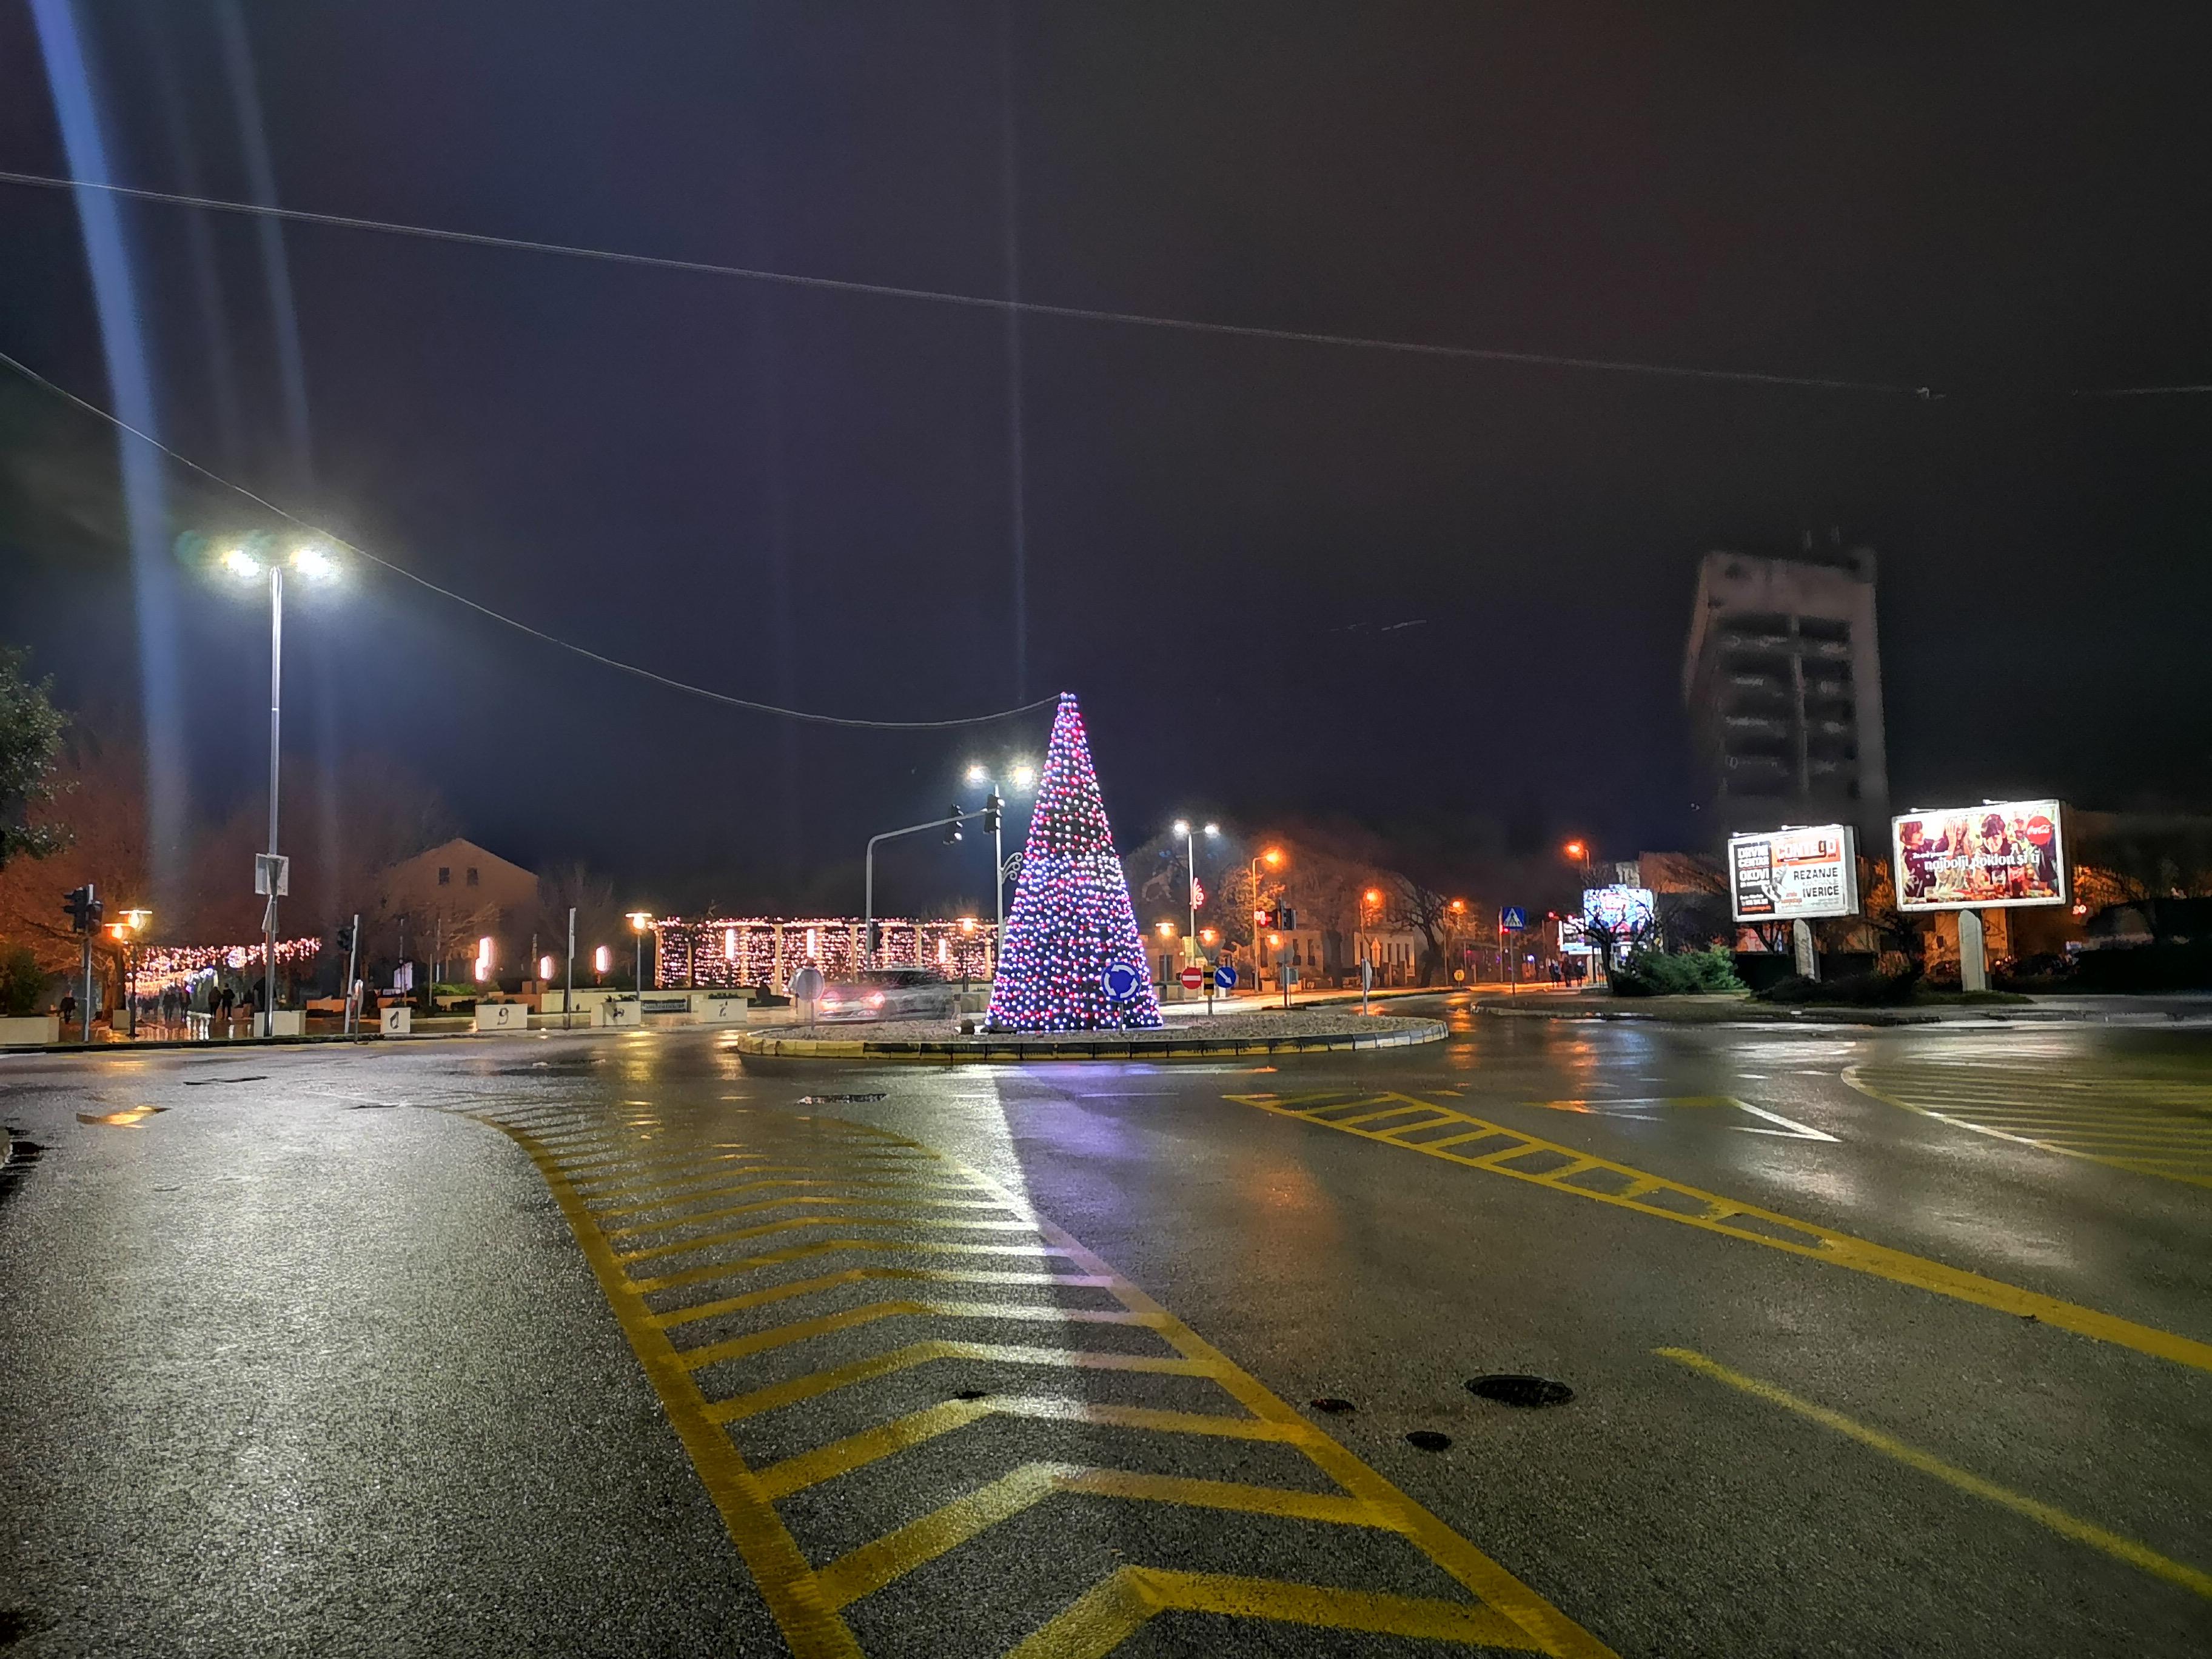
{"x":805,"y":495}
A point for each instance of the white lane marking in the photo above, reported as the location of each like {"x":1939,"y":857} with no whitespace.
{"x":1790,"y":1129}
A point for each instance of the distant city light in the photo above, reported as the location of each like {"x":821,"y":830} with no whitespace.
{"x":1167,"y":929}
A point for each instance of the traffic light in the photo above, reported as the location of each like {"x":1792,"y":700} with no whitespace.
{"x":1283,"y":917}
{"x":346,"y":938}
{"x":953,"y":823}
{"x":83,"y":907}
{"x":994,"y":809}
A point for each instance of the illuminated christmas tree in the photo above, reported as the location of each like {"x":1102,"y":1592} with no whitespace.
{"x":1072,"y":959}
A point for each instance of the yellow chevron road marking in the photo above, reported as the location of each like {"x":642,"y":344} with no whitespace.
{"x":808,"y":1602}
{"x":1673,"y":1200}
{"x":1111,"y":1612}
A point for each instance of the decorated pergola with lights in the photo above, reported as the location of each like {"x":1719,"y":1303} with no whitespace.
{"x":1073,"y":960}
{"x":729,"y":951}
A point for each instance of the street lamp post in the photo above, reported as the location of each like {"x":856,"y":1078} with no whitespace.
{"x":314,"y":563}
{"x":1190,"y":852}
{"x":1022,"y":776}
{"x":1272,"y":858}
{"x":638,"y":921}
{"x":134,"y":922}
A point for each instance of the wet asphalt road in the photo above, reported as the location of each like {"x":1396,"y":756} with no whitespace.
{"x":313,"y":1359}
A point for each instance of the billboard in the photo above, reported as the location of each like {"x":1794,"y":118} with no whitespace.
{"x":1623,"y":911}
{"x":1573,"y":942}
{"x":1991,"y":857}
{"x":1785,"y":874}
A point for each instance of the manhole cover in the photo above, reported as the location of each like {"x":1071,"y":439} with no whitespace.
{"x":1331,"y":1404}
{"x":1507,"y":1388}
{"x":836,"y":1100}
{"x":1429,"y":1440}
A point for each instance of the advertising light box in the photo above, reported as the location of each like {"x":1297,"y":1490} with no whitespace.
{"x":1993,"y":857}
{"x":1623,"y":911}
{"x":1786,"y":875}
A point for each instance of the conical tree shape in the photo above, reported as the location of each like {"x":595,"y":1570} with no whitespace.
{"x":1072,"y":925}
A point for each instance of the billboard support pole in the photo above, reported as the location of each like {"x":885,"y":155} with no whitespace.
{"x":1801,"y":942}
{"x":1973,"y":958}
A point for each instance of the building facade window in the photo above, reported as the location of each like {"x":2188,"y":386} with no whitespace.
{"x":472,"y":875}
{"x":445,"y":875}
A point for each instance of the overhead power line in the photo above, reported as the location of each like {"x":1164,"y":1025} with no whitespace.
{"x":520,"y":627}
{"x":984,"y":302}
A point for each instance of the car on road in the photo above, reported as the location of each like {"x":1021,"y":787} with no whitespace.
{"x":889,"y":994}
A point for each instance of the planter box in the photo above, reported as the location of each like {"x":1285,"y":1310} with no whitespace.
{"x":395,"y":1022}
{"x":502,"y":1016}
{"x":627,"y":1012}
{"x":32,"y":1028}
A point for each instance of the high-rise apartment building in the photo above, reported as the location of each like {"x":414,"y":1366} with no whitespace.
{"x":1783,"y":680}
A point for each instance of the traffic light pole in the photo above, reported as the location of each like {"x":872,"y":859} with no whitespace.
{"x":84,"y":1008}
{"x":951,"y":821}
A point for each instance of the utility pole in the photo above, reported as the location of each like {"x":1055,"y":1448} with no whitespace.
{"x":569,"y":983}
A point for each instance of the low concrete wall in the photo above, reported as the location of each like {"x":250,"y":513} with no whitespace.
{"x":502,"y":1016}
{"x":33,"y":1028}
{"x":395,"y":1022}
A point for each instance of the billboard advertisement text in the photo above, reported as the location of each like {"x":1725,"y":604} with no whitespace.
{"x":1786,"y":874}
{"x":1980,"y":858}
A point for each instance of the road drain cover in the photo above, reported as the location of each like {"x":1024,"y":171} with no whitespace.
{"x":1509,"y":1389}
{"x":835,"y":1100}
{"x":1429,"y":1440}
{"x":1331,"y":1404}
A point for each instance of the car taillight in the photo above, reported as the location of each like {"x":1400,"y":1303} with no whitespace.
{"x":876,"y":1000}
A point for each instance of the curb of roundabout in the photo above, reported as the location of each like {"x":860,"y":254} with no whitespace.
{"x":1008,"y":1050}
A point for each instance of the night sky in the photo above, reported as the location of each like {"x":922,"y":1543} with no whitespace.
{"x":804,"y":496}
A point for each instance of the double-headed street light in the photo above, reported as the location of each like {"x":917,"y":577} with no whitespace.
{"x":1190,"y":851}
{"x":1021,"y":778}
{"x":315,"y":564}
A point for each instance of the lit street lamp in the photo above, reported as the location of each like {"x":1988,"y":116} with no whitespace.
{"x":122,"y":932}
{"x":1190,"y":851}
{"x":1021,"y":778}
{"x":638,"y":921}
{"x":316,"y":564}
{"x":1272,"y":858}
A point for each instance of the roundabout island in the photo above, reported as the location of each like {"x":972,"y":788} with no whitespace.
{"x":1271,"y":1031}
{"x":1071,"y":981}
